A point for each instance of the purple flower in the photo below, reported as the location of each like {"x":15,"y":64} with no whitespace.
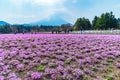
{"x":60,"y":63}
{"x":118,"y":65}
{"x":61,"y":57}
{"x":15,"y":78}
{"x":2,"y":78}
{"x":1,"y":58}
{"x":14,"y":62}
{"x":20,"y":66}
{"x":60,"y":68}
{"x":88,"y":60}
{"x":50,"y":71}
{"x":1,"y":63}
{"x":13,"y":53}
{"x":2,"y":54}
{"x":11,"y":75}
{"x":53,"y":76}
{"x":117,"y":53}
{"x":78,"y":72}
{"x":36,"y":75}
{"x":5,"y":68}
{"x":32,"y":55}
{"x":97,"y":56}
{"x":22,"y":55}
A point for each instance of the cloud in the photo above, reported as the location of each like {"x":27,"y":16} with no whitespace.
{"x":25,"y":11}
{"x":38,"y":2}
{"x":46,"y":2}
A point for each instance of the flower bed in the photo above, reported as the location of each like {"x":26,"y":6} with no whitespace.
{"x":59,"y":57}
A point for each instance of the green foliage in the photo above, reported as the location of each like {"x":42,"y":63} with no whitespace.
{"x":109,"y":60}
{"x":110,"y":68}
{"x":94,"y":22}
{"x":67,"y":61}
{"x":41,"y":68}
{"x":95,"y":69}
{"x":118,"y":21}
{"x":5,"y":29}
{"x":108,"y":77}
{"x":105,"y":21}
{"x":53,"y":65}
{"x":82,"y":23}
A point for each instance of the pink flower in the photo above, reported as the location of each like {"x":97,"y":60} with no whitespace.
{"x":60,"y":63}
{"x":50,"y":71}
{"x":60,"y":68}
{"x":13,"y":53}
{"x":11,"y":75}
{"x":2,"y":78}
{"x":15,"y":78}
{"x":14,"y":62}
{"x":36,"y":75}
{"x":1,"y":58}
{"x":97,"y":56}
{"x":20,"y":66}
{"x":118,"y":65}
{"x":78,"y":72}
{"x":53,"y":76}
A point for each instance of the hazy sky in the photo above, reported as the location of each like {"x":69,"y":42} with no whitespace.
{"x":25,"y":11}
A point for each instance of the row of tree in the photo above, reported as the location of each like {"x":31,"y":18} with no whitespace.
{"x":5,"y":29}
{"x":25,"y":29}
{"x":105,"y":21}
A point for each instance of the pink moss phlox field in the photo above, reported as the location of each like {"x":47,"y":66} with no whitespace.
{"x":59,"y":56}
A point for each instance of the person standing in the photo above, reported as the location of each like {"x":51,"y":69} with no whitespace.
{"x":81,"y":29}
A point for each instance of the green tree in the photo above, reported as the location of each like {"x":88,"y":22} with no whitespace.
{"x":118,"y":22}
{"x":94,"y":22}
{"x":105,"y":21}
{"x":82,"y":23}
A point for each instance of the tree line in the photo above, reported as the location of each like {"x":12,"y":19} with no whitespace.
{"x":5,"y":29}
{"x":105,"y":21}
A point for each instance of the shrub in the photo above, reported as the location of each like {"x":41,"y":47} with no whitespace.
{"x":41,"y":68}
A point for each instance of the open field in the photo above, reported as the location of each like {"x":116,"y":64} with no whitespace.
{"x":59,"y":57}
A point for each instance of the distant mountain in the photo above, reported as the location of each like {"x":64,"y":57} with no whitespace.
{"x":52,"y":21}
{"x":4,"y":23}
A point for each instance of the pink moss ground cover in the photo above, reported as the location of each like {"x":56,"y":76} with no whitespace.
{"x":59,"y":57}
